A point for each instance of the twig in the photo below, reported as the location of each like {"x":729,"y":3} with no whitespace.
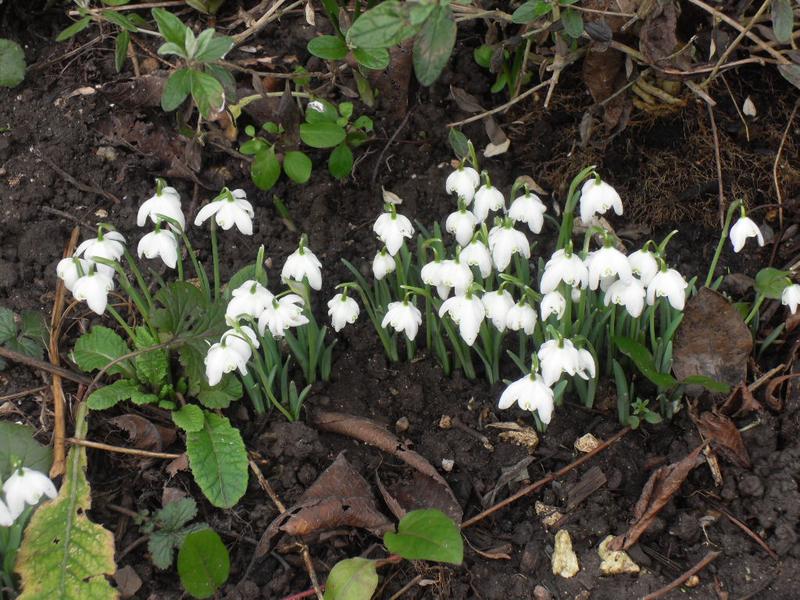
{"x":735,"y":43}
{"x":301,"y":595}
{"x":777,"y":160}
{"x":749,"y":532}
{"x":502,"y":107}
{"x":312,"y":574}
{"x":131,"y":547}
{"x":529,"y":489}
{"x":143,"y":6}
{"x":265,"y":19}
{"x":389,"y":143}
{"x":718,"y":161}
{"x":406,"y":587}
{"x":43,"y":366}
{"x":23,"y":393}
{"x":122,"y":450}
{"x":683,"y":578}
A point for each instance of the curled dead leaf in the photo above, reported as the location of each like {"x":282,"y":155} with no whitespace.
{"x":724,"y":437}
{"x":144,"y":434}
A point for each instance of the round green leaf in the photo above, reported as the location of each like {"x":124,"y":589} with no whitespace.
{"x":340,"y":162}
{"x":427,"y":535}
{"x":203,"y":563}
{"x":265,"y":169}
{"x":12,"y":63}
{"x":483,"y":56}
{"x":376,"y":59}
{"x":771,"y":282}
{"x":329,"y":47}
{"x":297,"y":166}
{"x":352,"y":579}
{"x":434,"y":44}
{"x":322,"y":134}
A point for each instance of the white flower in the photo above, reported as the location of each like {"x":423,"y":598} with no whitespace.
{"x":487,"y":198}
{"x":558,"y":357}
{"x":463,"y":181}
{"x":586,"y":366}
{"x":109,"y":245}
{"x":506,"y":241}
{"x":628,"y":293}
{"x":562,"y":267}
{"x":528,"y":209}
{"x":644,"y":265}
{"x":403,"y":316}
{"x":455,"y":274}
{"x":282,"y":314}
{"x":391,"y":228}
{"x":231,"y":353}
{"x":71,"y":269}
{"x":431,"y":273}
{"x":745,"y":228}
{"x":26,"y":486}
{"x":167,"y":204}
{"x":476,"y":254}
{"x":383,"y":264}
{"x":791,"y":297}
{"x":230,"y":210}
{"x":303,"y":263}
{"x":607,"y":262}
{"x":342,"y":310}
{"x":462,"y":225}
{"x":530,"y":393}
{"x":94,"y":288}
{"x":161,"y":243}
{"x":596,"y":198}
{"x":553,"y":303}
{"x":521,"y":316}
{"x":242,"y":340}
{"x":668,"y":283}
{"x":575,"y":294}
{"x":497,"y":305}
{"x":6,"y":519}
{"x":249,"y":299}
{"x":468,"y":313}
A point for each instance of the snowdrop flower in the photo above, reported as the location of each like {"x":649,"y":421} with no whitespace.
{"x":530,"y":393}
{"x":391,"y":228}
{"x":596,"y":198}
{"x":557,"y":357}
{"x":161,"y":243}
{"x":644,"y":265}
{"x":6,"y":520}
{"x":565,"y":267}
{"x":228,"y":209}
{"x":249,"y":300}
{"x":553,"y":303}
{"x":521,"y":316}
{"x":487,"y":198}
{"x":668,"y":283}
{"x":383,"y":264}
{"x":744,"y":228}
{"x":109,"y":245}
{"x":431,"y":273}
{"x":230,"y":353}
{"x":462,"y":225}
{"x":586,"y":366}
{"x":303,"y":263}
{"x":463,"y":182}
{"x":455,"y":274}
{"x":528,"y":209}
{"x":628,"y":293}
{"x":403,"y":316}
{"x":497,"y":305}
{"x":167,"y":203}
{"x":242,"y":340}
{"x":575,"y":294}
{"x":71,"y":269}
{"x":791,"y":297}
{"x":281,"y":314}
{"x":467,"y":312}
{"x":476,"y":254}
{"x":94,"y":288}
{"x":342,"y":310}
{"x":26,"y":486}
{"x":504,"y":241}
{"x":607,"y":262}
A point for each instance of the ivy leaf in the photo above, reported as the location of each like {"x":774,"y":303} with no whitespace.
{"x":176,"y":89}
{"x":17,"y":444}
{"x":340,"y":162}
{"x":203,"y":563}
{"x":383,"y":26}
{"x":265,"y":168}
{"x":322,"y":135}
{"x":170,"y":26}
{"x":297,"y":166}
{"x":218,"y":460}
{"x":434,"y":45}
{"x":328,"y":47}
{"x":427,"y":535}
{"x":12,"y":63}
{"x":99,"y":347}
{"x":110,"y":395}
{"x":222,"y":394}
{"x":207,"y":92}
{"x":151,"y":366}
{"x":352,"y":579}
{"x":189,"y":417}
{"x":643,"y":360}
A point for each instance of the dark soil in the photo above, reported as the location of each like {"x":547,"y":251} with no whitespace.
{"x":63,"y":128}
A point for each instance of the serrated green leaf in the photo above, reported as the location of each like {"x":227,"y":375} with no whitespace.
{"x":434,"y":45}
{"x":96,"y":349}
{"x":153,"y":365}
{"x":17,"y":444}
{"x":771,"y":282}
{"x":12,"y":63}
{"x":643,"y":360}
{"x":782,"y":20}
{"x":383,"y":26}
{"x":110,"y":395}
{"x":74,"y":29}
{"x":170,"y":26}
{"x":8,"y":326}
{"x":34,"y":326}
{"x":175,"y":515}
{"x":340,"y":162}
{"x":171,"y":521}
{"x":427,"y":534}
{"x":139,"y":397}
{"x":218,"y":460}
{"x":328,"y":47}
{"x":189,"y":417}
{"x":322,"y":134}
{"x":352,"y":579}
{"x":265,"y":168}
{"x":297,"y":166}
{"x":161,"y":546}
{"x":203,"y":563}
{"x":176,"y":90}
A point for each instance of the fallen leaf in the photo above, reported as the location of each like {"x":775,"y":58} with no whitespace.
{"x":516,"y":472}
{"x":724,"y":437}
{"x":740,"y":402}
{"x":144,"y":434}
{"x":128,"y":581}
{"x":658,"y":39}
{"x":775,"y":401}
{"x":418,"y":492}
{"x":614,"y":562}
{"x":749,"y":108}
{"x":179,"y":464}
{"x":565,"y":561}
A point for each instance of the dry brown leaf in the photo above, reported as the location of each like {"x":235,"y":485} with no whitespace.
{"x":179,"y":464}
{"x":419,"y":492}
{"x":658,"y":39}
{"x":724,"y":437}
{"x":128,"y":581}
{"x":144,"y":434}
{"x":775,"y":401}
{"x":740,"y":402}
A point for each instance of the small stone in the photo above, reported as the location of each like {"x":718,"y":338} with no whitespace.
{"x":448,"y":464}
{"x":615,"y":562}
{"x":693,"y":581}
{"x":542,"y":593}
{"x":565,"y":561}
{"x":402,"y":425}
{"x":586,"y":443}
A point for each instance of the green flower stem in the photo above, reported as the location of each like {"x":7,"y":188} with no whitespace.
{"x":652,"y":321}
{"x":215,"y":257}
{"x":565,"y":231}
{"x":756,"y":305}
{"x":722,"y":238}
{"x":253,"y":392}
{"x":180,"y":266}
{"x":566,"y":321}
{"x":265,"y":383}
{"x":198,"y":269}
{"x":139,"y":279}
{"x":118,"y":317}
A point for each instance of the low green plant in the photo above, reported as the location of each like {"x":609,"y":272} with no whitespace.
{"x":29,"y":336}
{"x":12,"y":63}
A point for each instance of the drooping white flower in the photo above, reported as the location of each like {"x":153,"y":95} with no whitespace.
{"x":553,"y":303}
{"x":249,"y":300}
{"x":461,"y":224}
{"x":568,"y":268}
{"x":745,"y":228}
{"x":166,"y":204}
{"x":391,"y":228}
{"x":463,"y":182}
{"x":467,"y":312}
{"x":528,"y":209}
{"x":109,"y":245}
{"x":71,"y":269}
{"x":607,"y":262}
{"x":557,"y":357}
{"x":791,"y":297}
{"x":575,"y":294}
{"x":431,"y":273}
{"x":403,"y":316}
{"x":596,"y":198}
{"x":342,"y":310}
{"x":6,"y":520}
{"x":530,"y":393}
{"x":476,"y":254}
{"x":487,"y":198}
{"x":668,"y":283}
{"x":242,"y":340}
{"x":497,"y":305}
{"x":230,"y":353}
{"x":521,"y":316}
{"x":281,"y":314}
{"x":232,"y":208}
{"x":644,"y":265}
{"x":303,"y":263}
{"x":160,"y":243}
{"x":94,"y":288}
{"x":504,"y":242}
{"x":586,"y":365}
{"x":26,"y":486}
{"x":383,"y":264}
{"x":629,"y":293}
{"x":455,"y":274}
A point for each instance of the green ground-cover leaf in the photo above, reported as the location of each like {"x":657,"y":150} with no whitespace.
{"x":427,"y":534}
{"x":203,"y":563}
{"x":17,"y":445}
{"x":352,"y":579}
{"x":96,"y":349}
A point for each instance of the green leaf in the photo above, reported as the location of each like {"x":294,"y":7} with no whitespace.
{"x":110,"y":395}
{"x":161,"y":546}
{"x":225,"y":78}
{"x":791,"y":73}
{"x":375,"y":59}
{"x":120,"y":20}
{"x":216,"y":48}
{"x":99,"y":347}
{"x":190,"y":418}
{"x":218,"y":461}
{"x":572,"y":21}
{"x":12,"y":63}
{"x":483,"y":55}
{"x":8,"y":326}
{"x":170,"y":26}
{"x":322,"y":135}
{"x":265,"y":168}
{"x":115,"y":2}
{"x":328,"y":47}
{"x":340,"y":162}
{"x":643,"y":360}
{"x":138,"y":397}
{"x":121,"y":49}
{"x":328,"y":114}
{"x":458,"y":142}
{"x":427,"y":535}
{"x":209,"y":7}
{"x":531,"y":11}
{"x":203,"y":563}
{"x":175,"y":515}
{"x":187,"y":313}
{"x":364,"y":122}
{"x":176,"y":90}
{"x":352,"y":579}
{"x":207,"y":92}
{"x":434,"y":45}
{"x":384,"y":26}
{"x":172,"y":529}
{"x":222,"y":394}
{"x":771,"y":282}
{"x":34,"y":326}
{"x":17,"y":445}
{"x":153,"y":365}
{"x":297,"y":166}
{"x":74,"y":29}
{"x":782,"y":20}
{"x":708,"y":383}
